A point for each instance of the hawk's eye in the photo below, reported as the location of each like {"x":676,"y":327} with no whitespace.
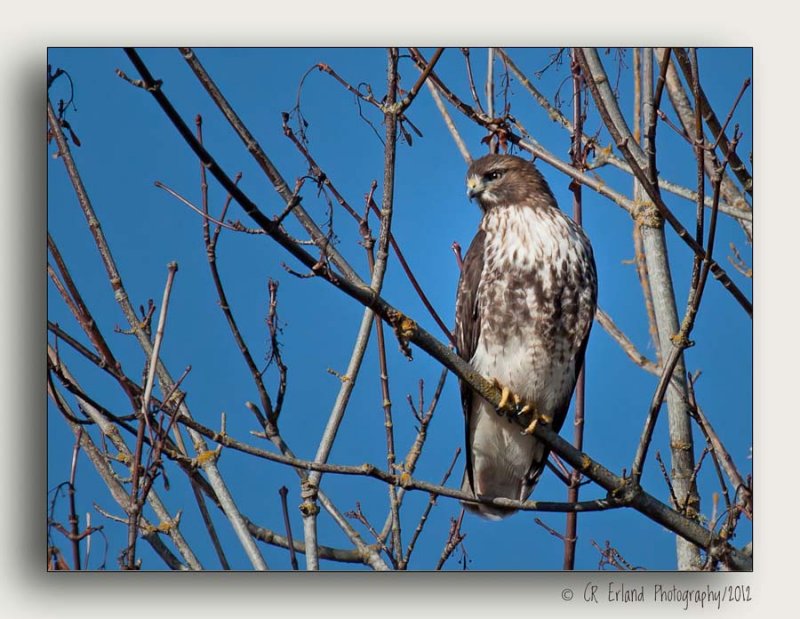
{"x":493,"y":175}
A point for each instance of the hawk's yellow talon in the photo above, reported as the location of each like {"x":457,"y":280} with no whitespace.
{"x":504,"y":397}
{"x":545,"y":419}
{"x":530,"y":429}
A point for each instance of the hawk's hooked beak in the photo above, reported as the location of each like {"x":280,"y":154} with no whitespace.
{"x":475,"y":186}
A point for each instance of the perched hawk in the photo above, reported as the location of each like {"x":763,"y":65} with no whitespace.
{"x":526,"y":302}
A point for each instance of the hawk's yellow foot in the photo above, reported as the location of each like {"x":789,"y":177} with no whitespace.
{"x":510,"y":402}
{"x":537,"y":418}
{"x":505,"y":394}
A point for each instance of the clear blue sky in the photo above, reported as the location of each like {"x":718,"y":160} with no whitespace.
{"x":127,"y":144}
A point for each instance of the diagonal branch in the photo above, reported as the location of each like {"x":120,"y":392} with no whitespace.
{"x":402,"y":106}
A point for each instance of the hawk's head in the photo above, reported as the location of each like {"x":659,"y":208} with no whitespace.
{"x":505,"y":180}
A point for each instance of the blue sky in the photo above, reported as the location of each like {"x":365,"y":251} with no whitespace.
{"x":127,"y":144}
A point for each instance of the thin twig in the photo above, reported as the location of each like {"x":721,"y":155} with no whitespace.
{"x":414,"y":282}
{"x":357,"y":514}
{"x":329,"y":553}
{"x":409,"y":98}
{"x":209,"y":524}
{"x":172,"y":268}
{"x":611,"y":556}
{"x":490,"y":92}
{"x":739,"y":264}
{"x":144,"y":412}
{"x":275,"y":347}
{"x":290,"y":541}
{"x":554,"y":533}
{"x":73,"y":514}
{"x":471,"y":79}
{"x":324,"y":179}
{"x":693,"y":479}
{"x":576,"y":153}
{"x":415,"y":451}
{"x":454,"y":538}
{"x":448,"y":121}
{"x":72,"y":297}
{"x":206,"y":217}
{"x":652,"y":414}
{"x":211,"y":255}
{"x":605,"y":321}
{"x":387,"y":403}
{"x":667,"y":480}
{"x":424,"y":518}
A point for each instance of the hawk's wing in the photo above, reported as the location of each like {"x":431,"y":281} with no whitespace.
{"x":468,"y":326}
{"x":582,"y":341}
{"x":560,"y":414}
{"x":581,"y":335}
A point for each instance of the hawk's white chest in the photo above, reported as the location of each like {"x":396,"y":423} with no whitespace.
{"x":528,"y":299}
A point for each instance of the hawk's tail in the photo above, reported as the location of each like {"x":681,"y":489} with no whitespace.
{"x":517,"y":489}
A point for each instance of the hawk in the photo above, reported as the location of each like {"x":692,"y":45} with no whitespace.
{"x":526,"y":301}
